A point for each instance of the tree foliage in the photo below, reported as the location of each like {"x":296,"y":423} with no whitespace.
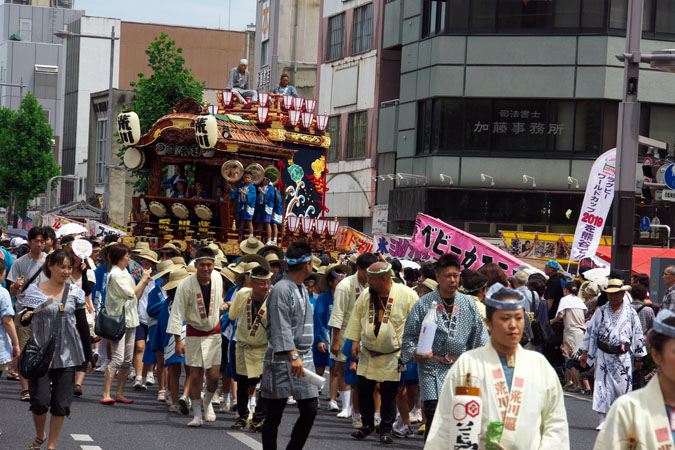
{"x":169,"y":82}
{"x":26,"y":152}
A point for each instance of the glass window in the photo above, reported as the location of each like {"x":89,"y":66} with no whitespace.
{"x":424,"y":127}
{"x":335,"y":39}
{"x":362,"y":31}
{"x":101,"y":142}
{"x":519,"y":14}
{"x":477,"y":127}
{"x":483,"y":14}
{"x":566,"y":14}
{"x":433,"y":17}
{"x":356,"y":134}
{"x":665,"y":17}
{"x":618,"y":14}
{"x":26,"y":29}
{"x":588,"y":127}
{"x":560,"y":130}
{"x":458,"y":15}
{"x":265,"y":53}
{"x":519,"y":125}
{"x":333,"y":153}
{"x":593,"y":14}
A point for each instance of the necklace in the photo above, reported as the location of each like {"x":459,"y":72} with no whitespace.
{"x":448,"y":304}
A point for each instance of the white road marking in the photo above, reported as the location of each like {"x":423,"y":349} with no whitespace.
{"x":246,"y":439}
{"x":578,"y":396}
{"x":82,"y":437}
{"x":90,"y":447}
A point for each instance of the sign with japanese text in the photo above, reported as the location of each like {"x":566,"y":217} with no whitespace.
{"x":597,"y":201}
{"x":348,"y":239}
{"x":395,"y":246}
{"x":55,"y":221}
{"x":434,"y":237}
{"x":101,"y":230}
{"x":380,"y":216}
{"x":516,"y":122}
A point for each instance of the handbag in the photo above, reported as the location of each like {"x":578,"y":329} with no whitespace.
{"x":110,"y":327}
{"x":35,"y":360}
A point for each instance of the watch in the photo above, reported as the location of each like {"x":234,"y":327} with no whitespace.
{"x":295,"y":356}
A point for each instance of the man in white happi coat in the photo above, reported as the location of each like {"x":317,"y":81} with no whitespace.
{"x":197,"y":302}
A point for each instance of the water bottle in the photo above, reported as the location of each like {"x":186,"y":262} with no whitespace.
{"x":428,"y":331}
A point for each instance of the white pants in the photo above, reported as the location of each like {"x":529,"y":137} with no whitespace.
{"x":123,"y":351}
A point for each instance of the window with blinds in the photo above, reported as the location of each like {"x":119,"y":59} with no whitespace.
{"x":362,"y":32}
{"x":335,"y":39}
{"x":356,"y":134}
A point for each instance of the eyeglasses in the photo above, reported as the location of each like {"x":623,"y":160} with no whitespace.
{"x":666,"y":274}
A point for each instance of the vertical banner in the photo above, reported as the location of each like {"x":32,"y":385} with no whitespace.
{"x":597,"y":201}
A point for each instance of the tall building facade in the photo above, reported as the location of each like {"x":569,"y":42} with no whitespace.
{"x":356,"y":77}
{"x":504,"y":104}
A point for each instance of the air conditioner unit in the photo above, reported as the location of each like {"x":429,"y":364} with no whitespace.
{"x":40,"y":68}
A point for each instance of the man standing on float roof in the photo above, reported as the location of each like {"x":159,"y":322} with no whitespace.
{"x":197,"y":302}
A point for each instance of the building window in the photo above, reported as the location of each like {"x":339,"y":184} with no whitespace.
{"x":26,"y":29}
{"x":335,"y":38}
{"x":362,"y":31}
{"x":333,"y":129}
{"x":433,"y":17}
{"x":265,"y":53}
{"x":511,"y":127}
{"x":356,"y":134}
{"x":101,"y":142}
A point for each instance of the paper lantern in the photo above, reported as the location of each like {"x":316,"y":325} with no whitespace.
{"x":294,"y":117}
{"x":129,"y":127}
{"x":263,"y":111}
{"x":213,"y":109}
{"x":307,"y":119}
{"x":307,"y":223}
{"x":320,"y":227}
{"x":263,"y":98}
{"x":310,"y":105}
{"x":227,"y":98}
{"x":298,"y":102}
{"x":288,"y":102}
{"x":322,"y":122}
{"x":333,"y":226}
{"x":292,"y":223}
{"x":206,"y":131}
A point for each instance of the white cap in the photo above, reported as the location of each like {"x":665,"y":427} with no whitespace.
{"x":17,"y":242}
{"x":243,"y":61}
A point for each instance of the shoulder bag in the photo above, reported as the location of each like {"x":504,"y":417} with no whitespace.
{"x":35,"y":360}
{"x":110,"y":327}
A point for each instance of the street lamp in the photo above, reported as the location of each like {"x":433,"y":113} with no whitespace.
{"x":48,"y":192}
{"x":66,"y":34}
{"x":570,"y":180}
{"x":483,"y":177}
{"x":527,"y":177}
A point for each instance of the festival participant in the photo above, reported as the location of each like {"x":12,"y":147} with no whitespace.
{"x":520,"y":391}
{"x":284,"y":87}
{"x":156,"y":301}
{"x":264,"y":206}
{"x":474,"y":285}
{"x":615,"y":345}
{"x":275,"y":258}
{"x":572,"y":311}
{"x":238,"y":81}
{"x":25,"y":271}
{"x":643,"y":418}
{"x":277,"y":215}
{"x":290,"y":333}
{"x":9,"y":341}
{"x":322,"y":334}
{"x":143,"y":370}
{"x":180,"y":189}
{"x":122,"y":297}
{"x":345,"y":296}
{"x":244,"y":196}
{"x":377,"y":321}
{"x":199,"y":191}
{"x":170,"y":183}
{"x":56,"y":303}
{"x":197,"y":302}
{"x":251,"y":334}
{"x":459,"y":328}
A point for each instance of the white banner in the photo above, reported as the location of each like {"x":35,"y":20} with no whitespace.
{"x":101,"y":230}
{"x":597,"y":201}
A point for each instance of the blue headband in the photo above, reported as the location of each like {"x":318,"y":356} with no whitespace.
{"x":296,"y":261}
{"x":661,"y":327}
{"x":498,"y":304}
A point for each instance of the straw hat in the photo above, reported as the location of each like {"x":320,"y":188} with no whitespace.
{"x":179,"y":261}
{"x":140,"y":246}
{"x":171,"y":246}
{"x":191,"y":269}
{"x":316,"y":263}
{"x":148,"y":255}
{"x":271,"y":249}
{"x":323,"y":282}
{"x":250,"y":245}
{"x":616,"y":285}
{"x":353,"y":257}
{"x":245,"y":264}
{"x":177,"y":275}
{"x":163,"y":268}
{"x":216,"y":249}
{"x":430,"y":284}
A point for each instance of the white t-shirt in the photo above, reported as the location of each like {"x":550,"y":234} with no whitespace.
{"x":143,"y":303}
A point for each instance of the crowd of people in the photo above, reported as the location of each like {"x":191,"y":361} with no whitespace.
{"x":249,"y":333}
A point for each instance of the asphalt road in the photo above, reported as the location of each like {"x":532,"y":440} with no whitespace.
{"x":147,"y":425}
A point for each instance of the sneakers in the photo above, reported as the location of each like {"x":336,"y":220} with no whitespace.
{"x":138,"y":386}
{"x":291,"y":401}
{"x":225,"y":405}
{"x":175,"y":408}
{"x":356,"y":422}
{"x":333,"y":406}
{"x":416,"y":416}
{"x":377,"y":420}
{"x":184,"y":403}
{"x":77,"y":390}
{"x":239,"y":423}
{"x":385,"y":438}
{"x":256,"y":427}
{"x":363,"y":433}
{"x":216,"y":399}
{"x":161,"y":396}
{"x":196,"y":422}
{"x":168,"y":399}
{"x":150,"y":379}
{"x":209,"y":413}
{"x":402,"y":432}
{"x":132,"y":375}
{"x":422,"y":429}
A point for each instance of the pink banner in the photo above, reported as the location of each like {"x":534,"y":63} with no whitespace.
{"x":435,"y":237}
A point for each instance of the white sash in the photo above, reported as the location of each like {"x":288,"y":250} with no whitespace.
{"x":200,"y":301}
{"x":509,"y":404}
{"x":254,"y":322}
{"x":659,"y":421}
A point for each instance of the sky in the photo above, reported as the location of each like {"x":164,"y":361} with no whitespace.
{"x":193,"y":13}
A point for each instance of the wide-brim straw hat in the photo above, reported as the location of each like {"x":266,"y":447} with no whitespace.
{"x":250,"y":246}
{"x":272,"y":257}
{"x":316,"y":263}
{"x":163,"y":268}
{"x":323,"y":282}
{"x":430,"y":284}
{"x":176,"y":276}
{"x":273,"y":249}
{"x":191,"y":269}
{"x":353,"y":257}
{"x":245,"y":264}
{"x":616,"y":285}
{"x":140,"y":246}
{"x":179,"y":261}
{"x":148,"y":255}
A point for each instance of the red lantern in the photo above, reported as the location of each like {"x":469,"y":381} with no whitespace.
{"x":292,"y":223}
{"x":322,"y":122}
{"x":227,"y":98}
{"x":288,"y":102}
{"x":298,"y":102}
{"x":263,"y":98}
{"x":310,"y":105}
{"x":294,"y":117}
{"x":307,"y":119}
{"x":262,"y":113}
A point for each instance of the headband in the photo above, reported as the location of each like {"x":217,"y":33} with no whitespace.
{"x":380,"y":272}
{"x":337,"y":274}
{"x":663,"y":328}
{"x":478,"y":289}
{"x":296,"y":261}
{"x":205,"y":257}
{"x":498,"y":304}
{"x":268,"y":277}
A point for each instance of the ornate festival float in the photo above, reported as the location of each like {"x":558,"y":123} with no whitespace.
{"x":278,"y":137}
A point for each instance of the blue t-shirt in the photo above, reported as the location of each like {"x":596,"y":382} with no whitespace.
{"x":6,"y":309}
{"x":7,"y":256}
{"x":508,"y":371}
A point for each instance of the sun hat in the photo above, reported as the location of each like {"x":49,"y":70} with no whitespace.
{"x":251,"y":245}
{"x":271,"y":249}
{"x":323,"y":282}
{"x":163,"y":268}
{"x":431,"y":284}
{"x":554,"y":264}
{"x":616,"y":285}
{"x":17,"y":242}
{"x":177,"y":275}
{"x":140,"y":246}
{"x":148,"y":255}
{"x":179,"y":261}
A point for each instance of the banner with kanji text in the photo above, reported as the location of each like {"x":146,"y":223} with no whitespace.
{"x":399,"y":247}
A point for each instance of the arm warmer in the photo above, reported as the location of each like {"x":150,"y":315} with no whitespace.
{"x":83,"y":329}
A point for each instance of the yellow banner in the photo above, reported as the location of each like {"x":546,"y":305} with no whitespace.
{"x":542,"y":245}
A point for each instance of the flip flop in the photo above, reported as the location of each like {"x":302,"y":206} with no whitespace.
{"x":126,"y":401}
{"x":107,"y":402}
{"x":13,"y":377}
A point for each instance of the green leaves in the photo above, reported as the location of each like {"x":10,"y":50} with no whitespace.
{"x":26,"y":152}
{"x":169,"y":82}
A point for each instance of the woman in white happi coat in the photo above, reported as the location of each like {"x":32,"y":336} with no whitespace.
{"x":612,"y":341}
{"x":645,"y":419}
{"x":520,"y":391}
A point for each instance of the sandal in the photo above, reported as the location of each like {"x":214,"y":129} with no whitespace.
{"x":13,"y":376}
{"x":362,"y":433}
{"x":386,"y":438}
{"x":25,"y":396}
{"x":39,"y":443}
